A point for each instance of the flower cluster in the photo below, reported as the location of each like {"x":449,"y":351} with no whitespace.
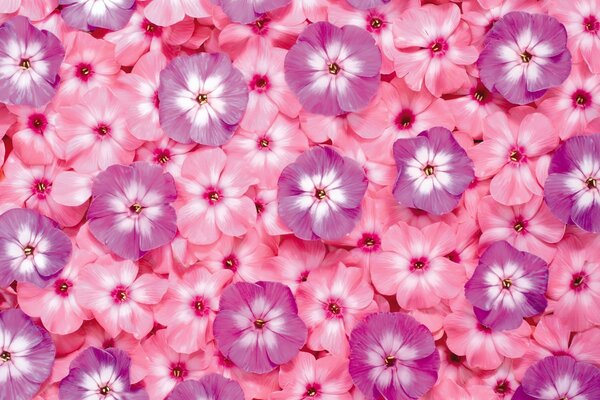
{"x":299,"y":199}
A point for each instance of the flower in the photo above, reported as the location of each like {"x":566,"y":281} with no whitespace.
{"x":168,"y":12}
{"x":306,"y":377}
{"x":393,"y":357}
{"x":130,"y":210}
{"x":320,"y":194}
{"x":87,"y":15}
{"x":202,"y":98}
{"x":434,"y":48}
{"x":366,"y":4}
{"x":249,"y":10}
{"x":209,"y":387}
{"x":507,"y":286}
{"x":333,"y":70}
{"x":524,"y":55}
{"x":26,"y":355}
{"x":33,"y":248}
{"x":572,"y":188}
{"x":433,"y":171}
{"x":258,"y":327}
{"x":559,"y":377}
{"x":97,"y":374}
{"x":30,"y":62}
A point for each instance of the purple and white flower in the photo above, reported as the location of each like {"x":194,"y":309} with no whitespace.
{"x":320,"y":193}
{"x":131,"y":209}
{"x":26,"y":356}
{"x":86,"y":15}
{"x":99,"y":374}
{"x":258,"y":327}
{"x":433,"y":171}
{"x":393,"y":357}
{"x":32,"y":248}
{"x":209,"y":387}
{"x":333,"y":70}
{"x":561,"y":378}
{"x":248,"y":11}
{"x":572,"y":190}
{"x":202,"y":98}
{"x":524,"y":55}
{"x":507,"y":286}
{"x":30,"y":60}
{"x":367,"y":4}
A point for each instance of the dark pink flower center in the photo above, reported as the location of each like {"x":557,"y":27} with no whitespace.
{"x":136,"y":208}
{"x":231,"y":262}
{"x":119,"y":295}
{"x":519,"y":225}
{"x":62,"y":286}
{"x":102,"y":129}
{"x":25,"y":63}
{"x":320,"y":194}
{"x":581,"y":99}
{"x":334,"y":310}
{"x":369,"y":242}
{"x":333,"y":68}
{"x":41,"y":188}
{"x":260,"y":83}
{"x":418,"y":264}
{"x":312,"y":390}
{"x":155,"y":100}
{"x":491,"y":24}
{"x":261,"y":25}
{"x":260,"y":207}
{"x":303,"y":276}
{"x":502,"y":387}
{"x":454,"y":358}
{"x":506,"y":283}
{"x":526,"y":57}
{"x":591,"y":24}
{"x":37,"y":123}
{"x":389,"y":361}
{"x":104,"y":390}
{"x":516,"y":155}
{"x":429,"y":170}
{"x":151,"y":29}
{"x":591,"y":183}
{"x":263,"y":143}
{"x":260,"y":323}
{"x":454,"y":256}
{"x":483,"y":328}
{"x":578,"y":281}
{"x":162,"y":156}
{"x":28,"y":250}
{"x":481,"y":94}
{"x":199,"y":306}
{"x":212,"y":195}
{"x":405,"y":119}
{"x":84,"y":71}
{"x":438,"y":47}
{"x":178,"y":371}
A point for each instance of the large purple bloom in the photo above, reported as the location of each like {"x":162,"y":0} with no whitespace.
{"x":99,"y":374}
{"x":32,"y":248}
{"x":524,"y":54}
{"x":86,"y":15}
{"x":130,"y":211}
{"x":249,"y":10}
{"x":558,"y":378}
{"x":258,"y":327}
{"x":393,"y":357}
{"x":506,"y":286}
{"x":433,"y":171}
{"x":333,"y":70}
{"x":572,"y":188}
{"x":320,"y":193}
{"x":30,"y":61}
{"x":26,"y":356}
{"x":210,"y":387}
{"x":202,"y":98}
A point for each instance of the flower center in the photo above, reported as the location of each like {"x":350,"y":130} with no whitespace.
{"x":369,"y":242}
{"x":311,"y":392}
{"x":577,"y":280}
{"x":163,"y":157}
{"x":515,"y":156}
{"x":259,"y":323}
{"x":259,"y":207}
{"x":591,"y":183}
{"x":25,"y":63}
{"x":231,"y":262}
{"x":28,"y":250}
{"x":5,"y":356}
{"x":405,"y":119}
{"x":41,"y":187}
{"x":105,"y":390}
{"x":136,"y":208}
{"x":519,"y":226}
{"x":591,"y":24}
{"x":61,"y":287}
{"x":389,"y":361}
{"x":37,"y":122}
{"x":213,"y":196}
{"x":581,"y":98}
{"x":102,"y":130}
{"x":418,"y":264}
{"x":376,"y":23}
{"x":506,"y":283}
{"x":263,"y":143}
{"x":436,"y":47}
{"x":84,"y":71}
{"x":320,"y":194}
{"x":455,"y":358}
{"x":120,"y":295}
{"x":334,"y":69}
{"x":502,"y":387}
{"x":526,"y":57}
{"x":202,"y":98}
{"x":178,"y":371}
{"x":429,"y":169}
{"x":334,"y":308}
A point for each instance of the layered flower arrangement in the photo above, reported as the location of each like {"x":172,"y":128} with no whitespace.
{"x":299,"y":199}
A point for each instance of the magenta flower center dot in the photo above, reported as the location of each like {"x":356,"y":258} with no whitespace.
{"x":28,"y":250}
{"x":263,"y":143}
{"x":334,"y":308}
{"x":5,"y":356}
{"x":102,"y":130}
{"x":515,"y":155}
{"x":311,"y":392}
{"x":320,"y":194}
{"x":120,"y":295}
{"x":136,"y":208}
{"x":61,"y":287}
{"x":405,"y":119}
{"x":506,"y":283}
{"x":429,"y":170}
{"x":591,"y":24}
{"x":84,"y":71}
{"x":163,"y":157}
{"x":376,"y":23}
{"x":178,"y":371}
{"x":519,"y":226}
{"x":581,"y":98}
{"x":502,"y":387}
{"x":389,"y":361}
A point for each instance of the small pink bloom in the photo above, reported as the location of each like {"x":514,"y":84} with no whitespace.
{"x":165,"y":152}
{"x":265,"y":201}
{"x":169,"y":12}
{"x":35,"y":10}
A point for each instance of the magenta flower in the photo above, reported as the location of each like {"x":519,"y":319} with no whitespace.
{"x":524,"y":54}
{"x":248,"y":11}
{"x":433,"y":171}
{"x":366,"y":4}
{"x":210,"y":387}
{"x":258,"y":327}
{"x":202,"y":98}
{"x":130,"y":211}
{"x":393,"y":357}
{"x":572,"y":188}
{"x":30,"y":61}
{"x":86,"y":15}
{"x":320,"y":194}
{"x":560,"y":377}
{"x":32,"y":248}
{"x":99,"y":374}
{"x":507,"y":286}
{"x":333,"y":70}
{"x":26,"y":356}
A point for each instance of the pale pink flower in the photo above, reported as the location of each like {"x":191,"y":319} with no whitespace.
{"x":169,"y":12}
{"x":267,"y":219}
{"x":35,"y":10}
{"x":165,"y":152}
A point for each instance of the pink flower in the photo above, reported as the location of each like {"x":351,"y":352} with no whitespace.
{"x":265,"y":201}
{"x":414,"y":266}
{"x":307,"y":377}
{"x":211,"y":197}
{"x":35,"y":10}
{"x":118,"y":298}
{"x":166,"y":153}
{"x":331,"y":302}
{"x":189,"y":307}
{"x":434,"y":48}
{"x":509,"y":151}
{"x":169,"y":12}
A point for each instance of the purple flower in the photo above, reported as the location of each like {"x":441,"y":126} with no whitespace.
{"x":202,"y":98}
{"x":366,"y":4}
{"x":524,"y":54}
{"x":32,"y":248}
{"x":210,"y":387}
{"x":99,"y":374}
{"x":393,"y":357}
{"x":258,"y":327}
{"x":558,"y":378}
{"x":130,"y":211}
{"x":320,"y":193}
{"x":86,"y":15}
{"x":30,"y":61}
{"x":249,"y":10}
{"x":333,"y":70}
{"x":506,"y":286}
{"x":572,"y":188}
{"x":26,"y":356}
{"x":433,"y":171}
